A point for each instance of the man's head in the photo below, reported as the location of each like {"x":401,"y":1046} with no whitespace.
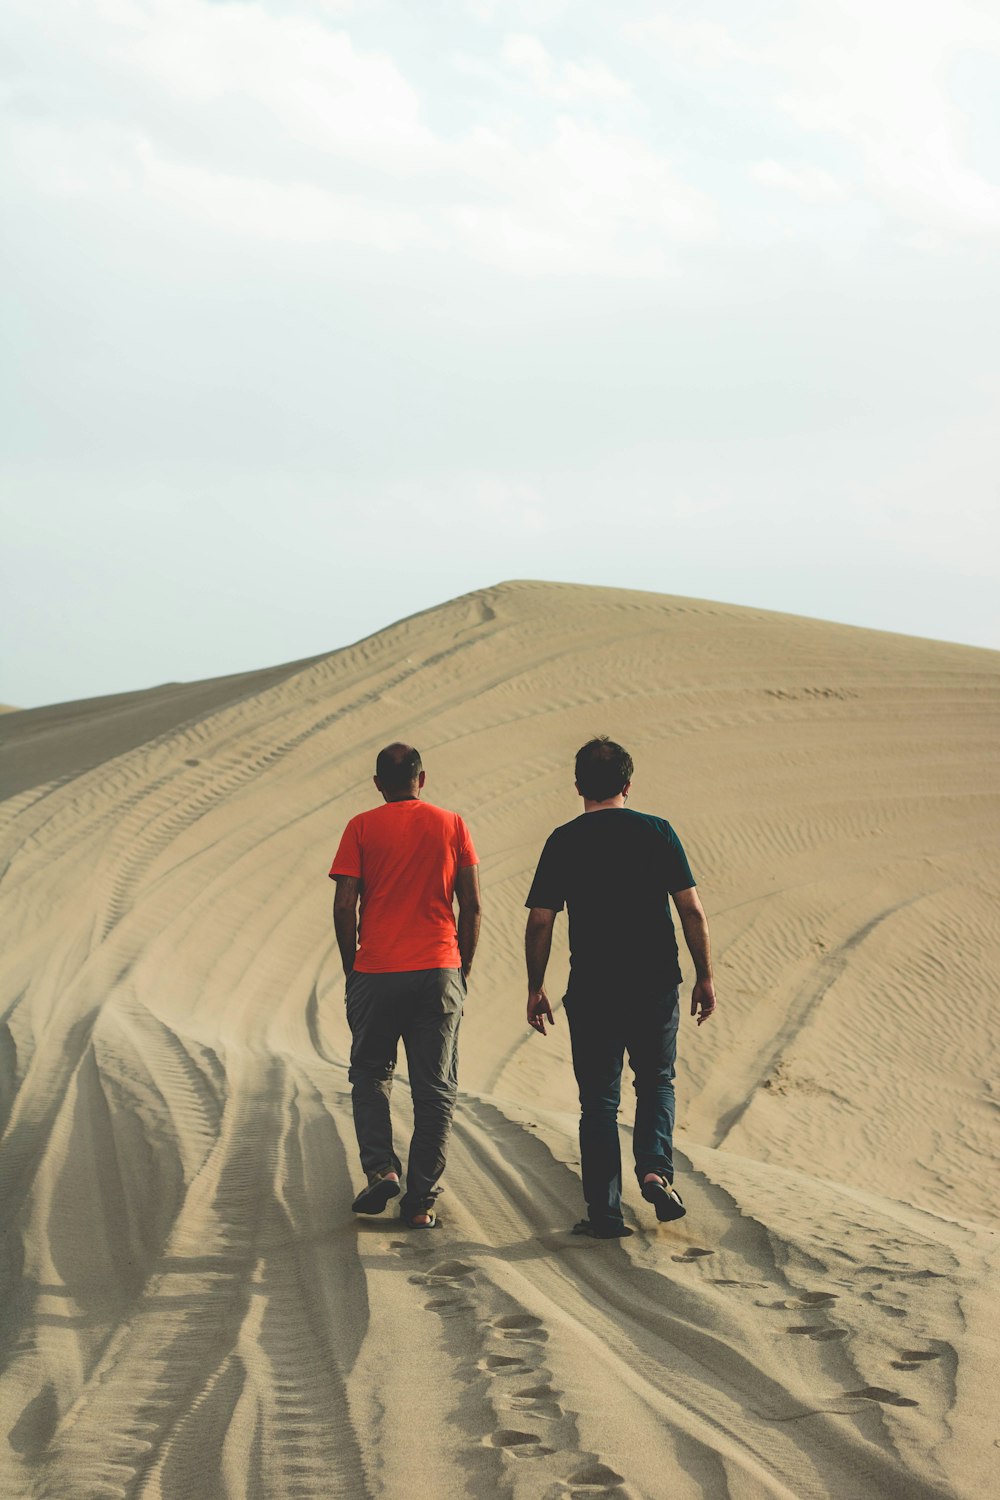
{"x":399,"y":772}
{"x":603,"y":769}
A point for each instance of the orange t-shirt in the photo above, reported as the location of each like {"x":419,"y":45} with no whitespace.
{"x":406,"y":855}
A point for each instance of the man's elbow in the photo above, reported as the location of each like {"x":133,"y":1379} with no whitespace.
{"x":688,"y":903}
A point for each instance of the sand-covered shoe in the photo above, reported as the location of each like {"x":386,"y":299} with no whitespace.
{"x":373,"y":1198}
{"x":614,"y":1231}
{"x":665,"y":1199}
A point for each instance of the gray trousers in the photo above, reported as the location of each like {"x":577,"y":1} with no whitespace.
{"x":421,"y":1008}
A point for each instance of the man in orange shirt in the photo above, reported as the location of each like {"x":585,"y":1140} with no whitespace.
{"x":407,"y":968}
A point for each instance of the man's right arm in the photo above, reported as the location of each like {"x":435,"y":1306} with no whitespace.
{"x":537,"y":947}
{"x":345,"y":918}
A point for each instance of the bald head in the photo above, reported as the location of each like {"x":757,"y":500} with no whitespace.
{"x":399,"y":771}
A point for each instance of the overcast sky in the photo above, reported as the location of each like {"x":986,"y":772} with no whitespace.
{"x":318,"y":313}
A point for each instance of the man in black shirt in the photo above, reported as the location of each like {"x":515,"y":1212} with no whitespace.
{"x":614,"y":870}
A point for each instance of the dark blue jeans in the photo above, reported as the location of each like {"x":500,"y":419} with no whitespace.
{"x":604,"y":1024}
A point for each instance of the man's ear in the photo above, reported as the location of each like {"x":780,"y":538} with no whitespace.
{"x":625,"y":788}
{"x":578,"y":791}
{"x":378,"y":784}
{"x":421,"y":779}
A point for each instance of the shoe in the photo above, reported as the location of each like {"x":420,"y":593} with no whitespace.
{"x":665,"y":1199}
{"x":613,"y":1231}
{"x":373,"y":1198}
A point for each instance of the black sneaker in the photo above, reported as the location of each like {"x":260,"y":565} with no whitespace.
{"x":615,"y":1230}
{"x":665,"y":1199}
{"x":373,"y":1198}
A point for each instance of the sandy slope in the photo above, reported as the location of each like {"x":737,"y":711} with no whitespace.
{"x":188,"y":1309}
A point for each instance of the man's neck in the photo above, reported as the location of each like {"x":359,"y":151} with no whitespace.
{"x":403,"y":797}
{"x":589,"y":806}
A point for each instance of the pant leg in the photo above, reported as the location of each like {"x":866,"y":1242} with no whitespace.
{"x":430,"y":1036}
{"x":373,"y":1014}
{"x":598,"y":1049}
{"x":651,"y":1038}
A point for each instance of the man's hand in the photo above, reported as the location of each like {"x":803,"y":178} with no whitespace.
{"x":539,"y":1010}
{"x":703,"y":1000}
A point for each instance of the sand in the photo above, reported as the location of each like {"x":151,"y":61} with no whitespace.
{"x":189,"y":1309}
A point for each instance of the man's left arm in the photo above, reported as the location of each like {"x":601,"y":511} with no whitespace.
{"x":345,"y":918}
{"x":696,"y":935}
{"x":470,"y":910}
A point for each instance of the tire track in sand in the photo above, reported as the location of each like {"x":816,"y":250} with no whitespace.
{"x":226,"y":1309}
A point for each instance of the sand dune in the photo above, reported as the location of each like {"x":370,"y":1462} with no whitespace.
{"x":189,"y":1308}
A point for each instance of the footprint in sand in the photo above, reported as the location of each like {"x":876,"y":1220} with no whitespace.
{"x":539,"y":1400}
{"x":410,"y":1249}
{"x":819,"y":1335}
{"x":805,"y":1299}
{"x":518,"y":1444}
{"x":445,"y":1272}
{"x":522,"y":1328}
{"x":517,"y":1320}
{"x":493,"y":1363}
{"x":689,"y":1257}
{"x":592,"y":1478}
{"x":449,"y":1307}
{"x":544,"y":1392}
{"x":884,"y":1397}
{"x":450,"y":1270}
{"x":746,"y":1285}
{"x":912,"y":1359}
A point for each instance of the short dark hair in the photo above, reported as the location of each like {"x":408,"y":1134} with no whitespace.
{"x":603,"y":769}
{"x":398,"y":766}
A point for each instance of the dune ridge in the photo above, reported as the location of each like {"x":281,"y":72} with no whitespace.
{"x":189,"y":1309}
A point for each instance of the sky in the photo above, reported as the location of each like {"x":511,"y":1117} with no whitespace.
{"x":321,"y":312}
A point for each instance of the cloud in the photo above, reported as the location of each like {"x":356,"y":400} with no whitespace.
{"x":513,"y":268}
{"x":278,"y":126}
{"x":507,"y":12}
{"x":874,"y":76}
{"x":562,"y":81}
{"x":299,"y":212}
{"x":866,"y":79}
{"x":705,"y":43}
{"x":584,"y":202}
{"x":307,"y":80}
{"x":802,"y":178}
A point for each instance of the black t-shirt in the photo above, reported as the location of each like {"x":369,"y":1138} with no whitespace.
{"x":614,"y":870}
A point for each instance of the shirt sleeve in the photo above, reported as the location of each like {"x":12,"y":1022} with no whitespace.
{"x":347,"y":860}
{"x":466,"y":848}
{"x":679,"y":877}
{"x":548,"y":889}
